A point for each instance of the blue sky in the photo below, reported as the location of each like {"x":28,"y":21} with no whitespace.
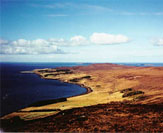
{"x":81,"y":31}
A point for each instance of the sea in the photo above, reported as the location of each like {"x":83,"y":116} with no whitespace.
{"x":19,"y":90}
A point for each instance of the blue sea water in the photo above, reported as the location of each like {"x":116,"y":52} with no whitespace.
{"x":18,"y":90}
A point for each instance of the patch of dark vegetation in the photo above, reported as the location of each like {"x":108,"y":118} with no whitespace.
{"x":65,"y":71}
{"x":78,"y":79}
{"x":113,"y":117}
{"x":126,"y":90}
{"x":74,"y":80}
{"x":45,"y":102}
{"x":98,"y":86}
{"x":58,"y":72}
{"x":69,"y":72}
{"x":86,"y":77}
{"x":46,"y":75}
{"x":132,"y":93}
{"x":62,"y":70}
{"x":46,"y":71}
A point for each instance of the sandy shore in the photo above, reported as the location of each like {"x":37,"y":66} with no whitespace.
{"x":105,"y":83}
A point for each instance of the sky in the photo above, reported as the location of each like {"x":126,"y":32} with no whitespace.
{"x":81,"y":31}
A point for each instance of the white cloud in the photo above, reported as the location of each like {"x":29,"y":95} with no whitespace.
{"x":38,"y":46}
{"x":104,"y":38}
{"x":57,"y":42}
{"x":158,"y":42}
{"x":73,"y":41}
{"x":20,"y":42}
{"x":36,"y":43}
{"x":30,"y":50}
{"x":54,"y":46}
{"x":78,"y":40}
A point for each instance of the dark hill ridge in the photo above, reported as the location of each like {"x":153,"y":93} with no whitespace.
{"x":104,"y":118}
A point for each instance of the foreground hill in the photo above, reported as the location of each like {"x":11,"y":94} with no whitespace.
{"x":104,"y":117}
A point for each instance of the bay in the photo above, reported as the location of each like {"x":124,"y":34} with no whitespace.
{"x":18,"y":90}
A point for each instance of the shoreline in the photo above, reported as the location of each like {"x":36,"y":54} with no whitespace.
{"x":88,"y":89}
{"x":103,"y":83}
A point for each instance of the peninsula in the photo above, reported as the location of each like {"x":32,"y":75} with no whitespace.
{"x":114,"y":92}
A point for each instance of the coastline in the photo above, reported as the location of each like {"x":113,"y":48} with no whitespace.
{"x":88,"y":89}
{"x":99,"y":82}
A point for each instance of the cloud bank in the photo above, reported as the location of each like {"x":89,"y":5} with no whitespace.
{"x":103,"y":38}
{"x":22,"y":46}
{"x":54,"y":46}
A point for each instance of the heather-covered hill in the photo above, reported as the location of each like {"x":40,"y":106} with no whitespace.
{"x":105,"y":117}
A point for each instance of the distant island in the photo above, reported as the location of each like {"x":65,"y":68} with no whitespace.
{"x":118,"y":98}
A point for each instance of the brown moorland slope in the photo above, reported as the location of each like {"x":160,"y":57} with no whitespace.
{"x":118,"y":77}
{"x":113,"y":117}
